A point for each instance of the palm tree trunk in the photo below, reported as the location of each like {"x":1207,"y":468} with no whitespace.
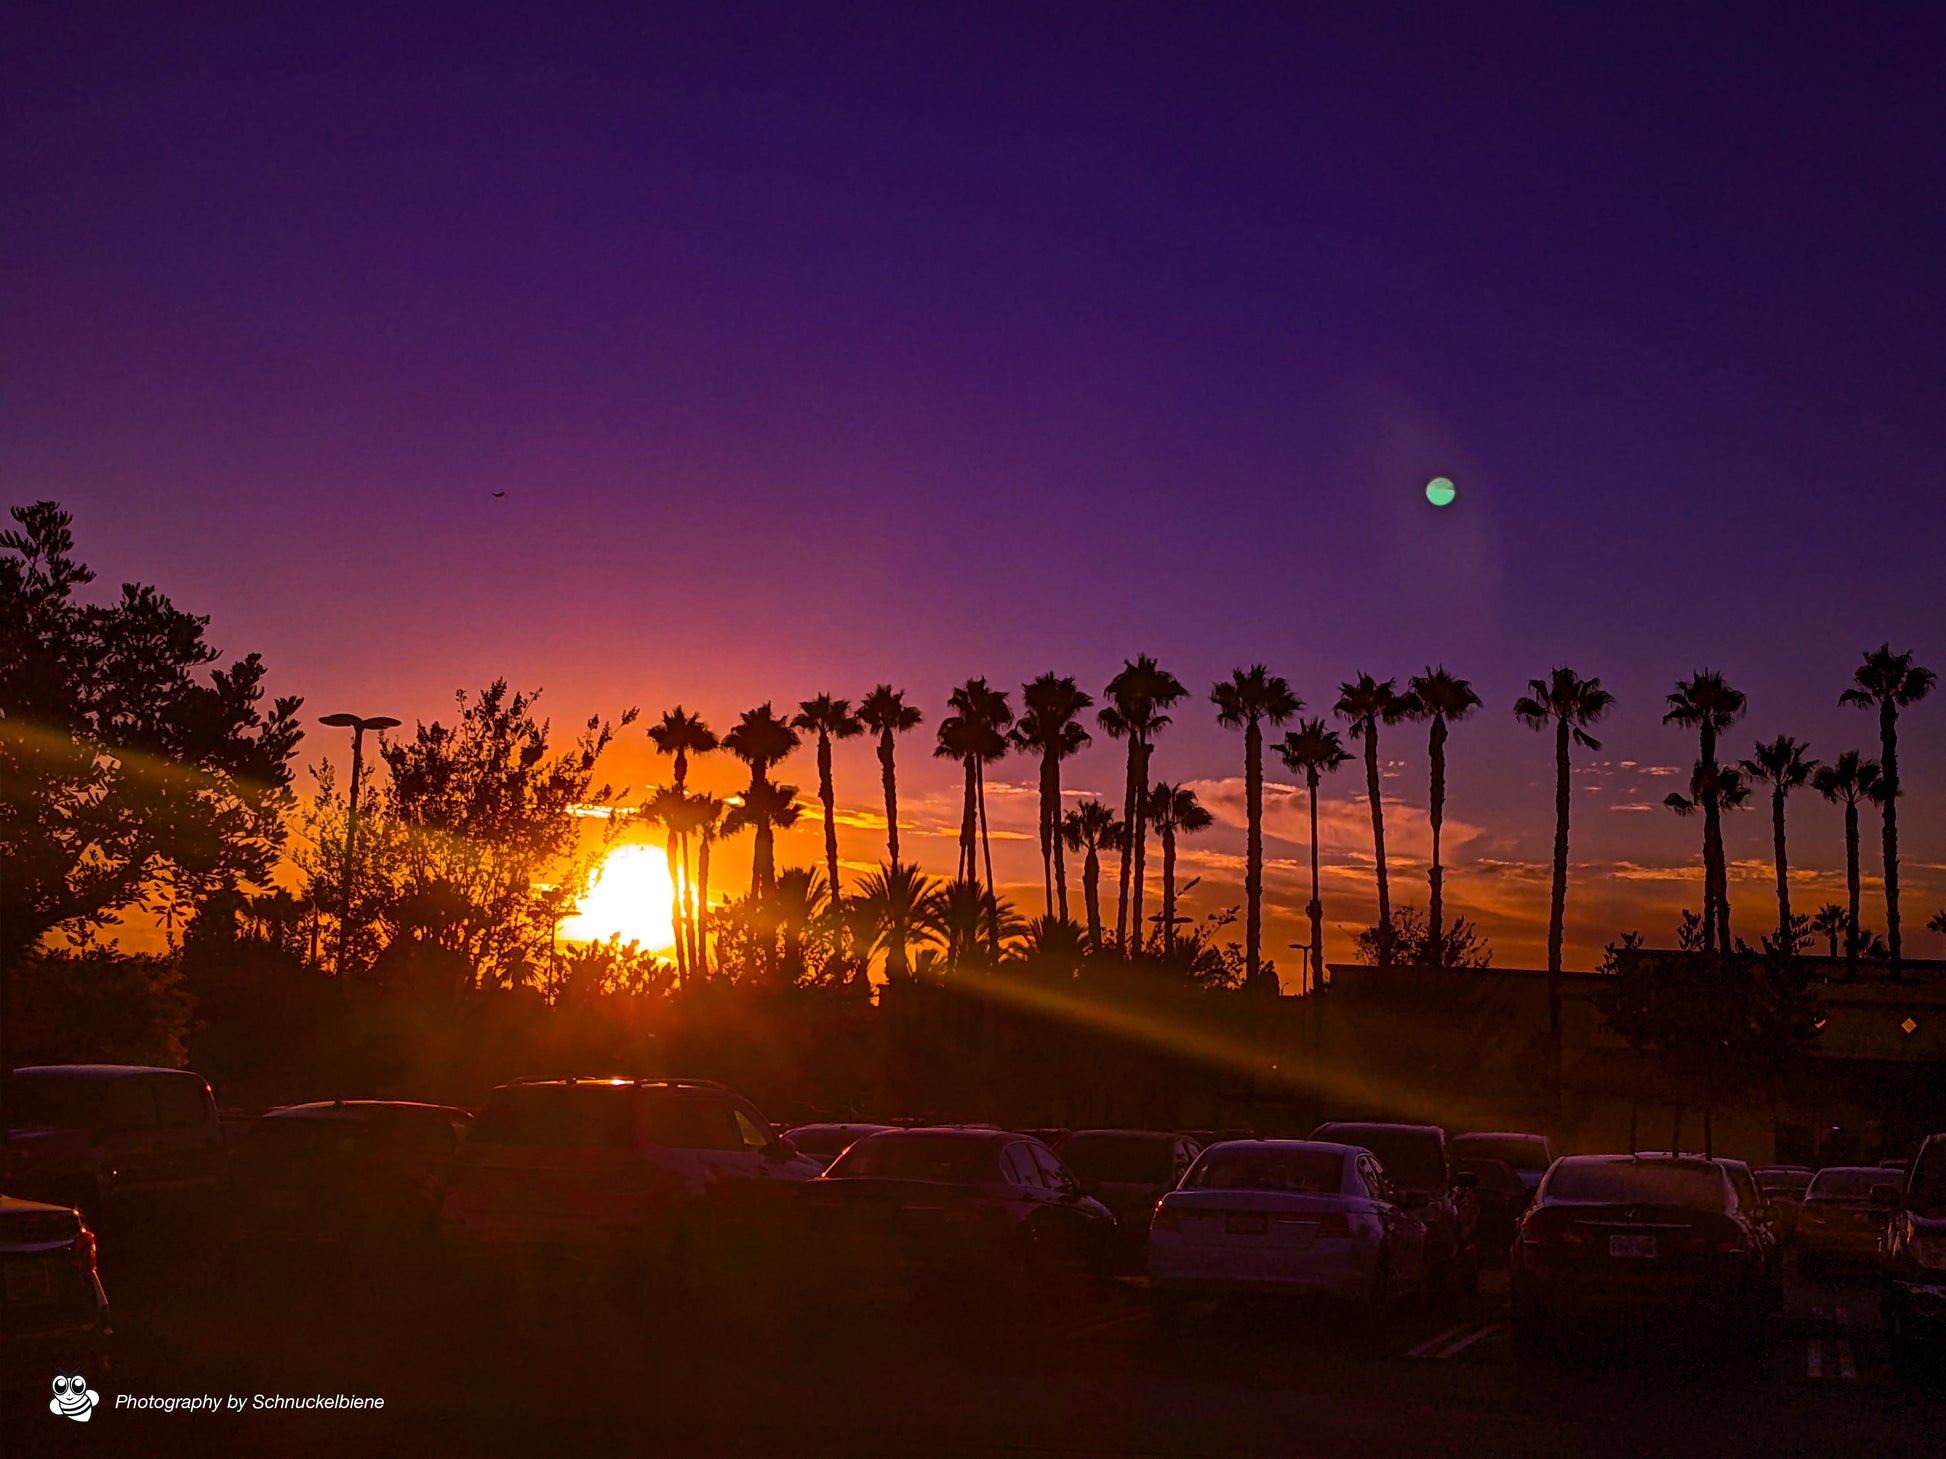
{"x":1253,"y":854}
{"x":689,"y":911}
{"x":763,"y":861}
{"x":1437,"y":810}
{"x":1060,"y":859}
{"x":986,"y":851}
{"x":1138,"y":833}
{"x":702,"y":906}
{"x":891,"y":779}
{"x":1714,"y":878}
{"x":968,"y":814}
{"x":1169,"y":892}
{"x":1129,"y":800}
{"x":1091,"y":892}
{"x":1851,"y":889}
{"x":1378,"y":841}
{"x":1888,"y":735}
{"x":825,"y":795}
{"x":1050,"y":828}
{"x":1316,"y":909}
{"x":675,"y":908}
{"x":1783,"y":870}
{"x":1558,"y":901}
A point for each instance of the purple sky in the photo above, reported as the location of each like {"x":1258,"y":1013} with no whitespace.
{"x":819,"y":345}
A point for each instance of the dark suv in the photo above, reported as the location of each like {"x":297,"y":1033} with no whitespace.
{"x":1418,"y":1162}
{"x":94,"y":1136}
{"x":1913,"y":1298}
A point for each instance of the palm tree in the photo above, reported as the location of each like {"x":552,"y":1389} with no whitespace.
{"x":829,"y":719}
{"x":975,"y":735}
{"x":1093,"y":828}
{"x":1570,"y":704}
{"x":899,"y":906}
{"x":1890,"y":682}
{"x":1365,"y":704}
{"x":706,"y":817}
{"x":1828,"y":921}
{"x":1784,"y":766}
{"x":1049,"y":725}
{"x":1706,"y":703}
{"x":1443,"y":699}
{"x":1314,"y":749}
{"x":1137,"y":700}
{"x":1850,"y":779}
{"x":669,"y":808}
{"x":886,"y":714}
{"x":681,"y":734}
{"x":760,"y":740}
{"x":1726,"y":789}
{"x":1248,"y":698}
{"x":1175,"y":811}
{"x":1937,"y":922}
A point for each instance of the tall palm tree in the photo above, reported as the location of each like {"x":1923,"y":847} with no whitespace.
{"x":1889,"y":682}
{"x":1138,"y":698}
{"x":1245,"y":700}
{"x":886,"y":714}
{"x":1176,"y":812}
{"x":706,"y":817}
{"x":681,"y":734}
{"x":899,"y":906}
{"x":829,"y":719}
{"x":1366,"y":703}
{"x":669,"y":808}
{"x":1092,"y":827}
{"x":975,"y":735}
{"x":1049,"y":726}
{"x":1570,"y":704}
{"x":761,"y":739}
{"x":1724,"y":787}
{"x":1706,"y":703}
{"x":1828,"y":921}
{"x":1313,"y":749}
{"x":1443,"y":699}
{"x":1847,"y":781}
{"x":1784,"y":765}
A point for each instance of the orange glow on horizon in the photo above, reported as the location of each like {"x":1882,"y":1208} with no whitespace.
{"x":629,"y":895}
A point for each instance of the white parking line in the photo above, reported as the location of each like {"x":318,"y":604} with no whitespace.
{"x":1466,"y":1342}
{"x":1427,"y":1348}
{"x":1814,"y":1359}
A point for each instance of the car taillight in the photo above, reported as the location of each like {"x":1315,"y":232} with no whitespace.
{"x":1165,"y":1219}
{"x":81,"y":1250}
{"x":1547,"y":1229}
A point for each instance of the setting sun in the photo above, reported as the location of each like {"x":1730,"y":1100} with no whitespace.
{"x":629,"y":894}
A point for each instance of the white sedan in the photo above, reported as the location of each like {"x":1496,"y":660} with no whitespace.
{"x":1282,"y":1217}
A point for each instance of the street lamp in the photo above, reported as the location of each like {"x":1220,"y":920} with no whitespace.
{"x":357,"y":727}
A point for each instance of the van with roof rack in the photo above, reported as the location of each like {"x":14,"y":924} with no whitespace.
{"x":644,"y":1176}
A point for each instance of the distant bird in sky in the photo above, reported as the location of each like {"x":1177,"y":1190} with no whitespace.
{"x":499,"y":493}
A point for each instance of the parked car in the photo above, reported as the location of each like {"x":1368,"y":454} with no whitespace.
{"x":1502,"y":1196}
{"x":987,"y":1209}
{"x":358,"y":1172}
{"x":1128,"y":1171}
{"x":1784,"y":1185}
{"x":1764,"y":1225}
{"x":1636,"y":1236}
{"x":1838,"y":1226}
{"x":652,"y":1177}
{"x":825,"y":1143}
{"x":53,"y":1312}
{"x":1418,"y":1162}
{"x":100,"y":1136}
{"x":1913,"y":1290}
{"x":1529,"y":1155}
{"x":1283,"y":1218}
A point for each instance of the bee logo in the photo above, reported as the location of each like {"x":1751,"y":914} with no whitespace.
{"x":73,"y":1398}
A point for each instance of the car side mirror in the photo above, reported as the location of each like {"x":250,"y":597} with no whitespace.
{"x":1885,"y":1198}
{"x":1467,"y":1180}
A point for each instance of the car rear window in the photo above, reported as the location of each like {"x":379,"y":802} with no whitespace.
{"x":565,"y":1117}
{"x":1128,"y":1159}
{"x":299,"y":1138}
{"x":1786,"y":1182}
{"x":1851,"y":1185}
{"x":1520,"y":1154}
{"x":1408,"y":1157}
{"x":945,"y":1159}
{"x":1247,"y":1168}
{"x":1695,"y":1184}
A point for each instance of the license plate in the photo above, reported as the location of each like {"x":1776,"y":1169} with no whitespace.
{"x":1638,"y":1247}
{"x":29,"y":1281}
{"x":1246,"y":1223}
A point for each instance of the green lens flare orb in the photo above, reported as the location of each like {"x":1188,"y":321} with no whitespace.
{"x":1440,"y":491}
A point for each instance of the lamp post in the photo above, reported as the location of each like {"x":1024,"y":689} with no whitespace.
{"x":357,"y":726}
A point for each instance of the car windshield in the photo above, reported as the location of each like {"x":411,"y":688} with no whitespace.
{"x":947,"y":1159}
{"x":1784,"y":1182}
{"x":822,"y":1140}
{"x":1408,"y":1157}
{"x":1692,"y":1183}
{"x":1850,"y":1184}
{"x":561,"y":1116}
{"x":1124,"y":1159}
{"x":1254,"y":1168}
{"x":1745,"y":1186}
{"x":1929,"y":1184}
{"x":56,"y":1104}
{"x":1521,"y":1154}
